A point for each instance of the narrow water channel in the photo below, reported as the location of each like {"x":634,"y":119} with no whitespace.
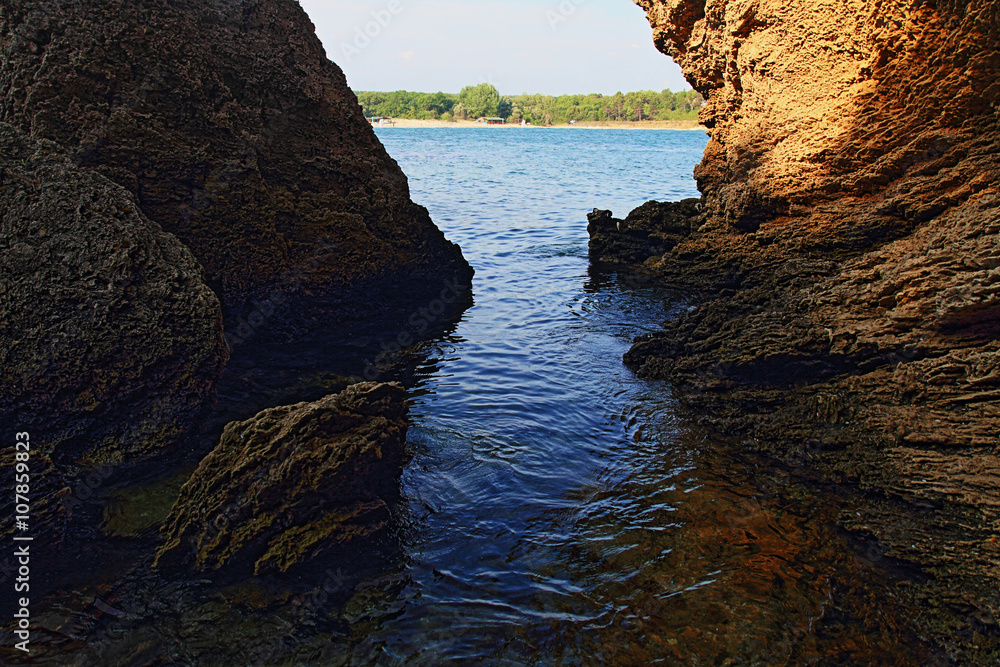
{"x":524,"y":422}
{"x":557,"y":510}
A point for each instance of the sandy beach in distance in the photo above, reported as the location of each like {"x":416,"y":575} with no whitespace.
{"x":603,"y":125}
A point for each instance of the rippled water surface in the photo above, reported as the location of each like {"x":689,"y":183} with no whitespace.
{"x":556,"y":509}
{"x":523,"y":428}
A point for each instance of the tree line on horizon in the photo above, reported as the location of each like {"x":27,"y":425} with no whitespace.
{"x":485,"y":100}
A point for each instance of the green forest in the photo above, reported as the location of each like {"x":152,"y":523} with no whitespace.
{"x":484,"y":100}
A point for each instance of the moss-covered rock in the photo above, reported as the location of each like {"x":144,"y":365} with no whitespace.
{"x":282,"y":487}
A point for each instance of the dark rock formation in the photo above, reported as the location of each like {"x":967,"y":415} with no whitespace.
{"x":647,"y":232}
{"x":223,"y":123}
{"x":109,"y":339}
{"x":130,"y":129}
{"x":227,"y":122}
{"x":849,"y":264}
{"x":287,"y":484}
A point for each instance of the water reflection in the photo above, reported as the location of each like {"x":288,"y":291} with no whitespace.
{"x":666,"y":545}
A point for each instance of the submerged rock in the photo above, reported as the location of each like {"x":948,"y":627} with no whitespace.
{"x":110,"y":340}
{"x":291,"y":482}
{"x":234,"y":131}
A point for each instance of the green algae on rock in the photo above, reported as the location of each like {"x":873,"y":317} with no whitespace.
{"x":285,"y":485}
{"x":134,"y":510}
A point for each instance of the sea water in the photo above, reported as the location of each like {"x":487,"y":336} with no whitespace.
{"x":557,"y":508}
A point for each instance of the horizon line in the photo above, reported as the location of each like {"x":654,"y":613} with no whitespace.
{"x":404,"y":90}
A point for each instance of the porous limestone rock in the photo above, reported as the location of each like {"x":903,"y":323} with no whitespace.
{"x":234,"y":132}
{"x":110,"y":341}
{"x":284,"y":486}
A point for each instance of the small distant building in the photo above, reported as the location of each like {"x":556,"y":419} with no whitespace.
{"x":490,"y":121}
{"x":380,"y":120}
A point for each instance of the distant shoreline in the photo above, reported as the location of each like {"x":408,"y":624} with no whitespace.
{"x":580,"y":125}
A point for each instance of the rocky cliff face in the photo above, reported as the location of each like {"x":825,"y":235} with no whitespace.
{"x":151,"y":150}
{"x":110,"y":341}
{"x":845,"y":126}
{"x":848,"y":256}
{"x":236,"y":134}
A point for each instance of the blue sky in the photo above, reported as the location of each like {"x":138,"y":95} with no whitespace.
{"x":536,"y":46}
